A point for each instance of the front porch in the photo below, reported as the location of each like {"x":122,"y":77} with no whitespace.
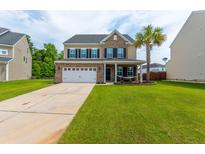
{"x":123,"y":72}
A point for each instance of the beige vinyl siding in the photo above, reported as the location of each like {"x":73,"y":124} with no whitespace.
{"x":18,"y":68}
{"x":131,"y":52}
{"x":188,"y":50}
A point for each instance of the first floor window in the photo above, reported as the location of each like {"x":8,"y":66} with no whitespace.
{"x":94,"y":53}
{"x":109,"y":52}
{"x":120,"y":71}
{"x":130,"y":71}
{"x":72,"y":53}
{"x":120,"y":53}
{"x":83,"y":53}
{"x":3,"y":52}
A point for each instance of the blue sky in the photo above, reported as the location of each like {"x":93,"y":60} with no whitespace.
{"x":57,"y":26}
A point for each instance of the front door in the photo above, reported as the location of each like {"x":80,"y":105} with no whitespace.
{"x":108,"y":74}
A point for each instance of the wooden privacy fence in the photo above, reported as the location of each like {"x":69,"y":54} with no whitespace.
{"x":155,"y":76}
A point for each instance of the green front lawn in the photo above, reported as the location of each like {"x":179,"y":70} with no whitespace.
{"x":164,"y":113}
{"x":14,"y":88}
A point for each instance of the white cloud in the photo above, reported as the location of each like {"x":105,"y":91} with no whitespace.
{"x":57,"y":26}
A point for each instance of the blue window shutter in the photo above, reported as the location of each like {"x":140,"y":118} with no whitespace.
{"x":98,"y":53}
{"x":68,"y":53}
{"x":90,"y":52}
{"x":134,"y":71}
{"x":124,"y":52}
{"x":105,"y":53}
{"x":87,"y":51}
{"x":76,"y":53}
{"x":124,"y":71}
{"x":114,"y":52}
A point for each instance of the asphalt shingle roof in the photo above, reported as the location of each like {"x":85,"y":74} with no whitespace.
{"x":10,"y":38}
{"x":4,"y":59}
{"x":92,"y":38}
{"x":2,"y":30}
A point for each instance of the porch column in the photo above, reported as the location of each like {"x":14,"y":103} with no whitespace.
{"x":137,"y":73}
{"x":141,"y":77}
{"x":115,"y":73}
{"x":104,"y":73}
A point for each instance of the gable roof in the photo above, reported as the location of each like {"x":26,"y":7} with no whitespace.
{"x":153,"y":65}
{"x":118,"y":33}
{"x":9,"y":38}
{"x":94,"y":38}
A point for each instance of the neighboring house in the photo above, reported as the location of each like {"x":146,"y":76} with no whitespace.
{"x":97,"y":58}
{"x":188,"y":50}
{"x":154,"y":67}
{"x":15,"y":56}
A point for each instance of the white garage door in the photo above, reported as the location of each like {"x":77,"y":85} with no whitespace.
{"x":79,"y":74}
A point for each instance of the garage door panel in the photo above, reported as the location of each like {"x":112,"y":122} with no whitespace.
{"x":79,"y":74}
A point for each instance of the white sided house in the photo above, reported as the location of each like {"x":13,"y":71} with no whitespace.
{"x":187,"y":60}
{"x":15,"y":56}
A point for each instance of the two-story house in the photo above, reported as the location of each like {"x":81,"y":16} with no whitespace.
{"x":98,"y":58}
{"x":15,"y":56}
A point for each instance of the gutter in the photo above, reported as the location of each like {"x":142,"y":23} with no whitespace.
{"x":101,"y":62}
{"x":6,"y":45}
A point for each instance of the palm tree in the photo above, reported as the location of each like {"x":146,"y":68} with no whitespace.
{"x":149,"y":37}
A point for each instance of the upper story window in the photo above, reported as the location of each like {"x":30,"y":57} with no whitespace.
{"x":94,"y":53}
{"x":120,"y":53}
{"x":120,"y":71}
{"x":3,"y":52}
{"x":72,"y":53}
{"x":109,"y":53}
{"x":115,"y":37}
{"x":130,"y":71}
{"x":83,"y":53}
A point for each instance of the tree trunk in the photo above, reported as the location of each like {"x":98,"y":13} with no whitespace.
{"x":148,"y":61}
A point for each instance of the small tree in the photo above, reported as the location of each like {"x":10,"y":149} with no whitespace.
{"x":61,"y":55}
{"x":30,"y":43}
{"x":149,"y":37}
{"x":43,"y":61}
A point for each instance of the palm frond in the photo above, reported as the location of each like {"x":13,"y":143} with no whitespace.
{"x":139,"y":40}
{"x":158,"y":36}
{"x":148,"y":31}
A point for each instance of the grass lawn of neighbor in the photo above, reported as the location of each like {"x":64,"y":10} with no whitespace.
{"x":168,"y":112}
{"x":14,"y":88}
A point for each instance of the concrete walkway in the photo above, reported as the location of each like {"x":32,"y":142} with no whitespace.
{"x":41,"y":116}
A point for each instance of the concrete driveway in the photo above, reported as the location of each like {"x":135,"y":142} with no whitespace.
{"x":41,"y":116}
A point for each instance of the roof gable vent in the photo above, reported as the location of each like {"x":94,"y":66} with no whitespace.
{"x":115,"y":37}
